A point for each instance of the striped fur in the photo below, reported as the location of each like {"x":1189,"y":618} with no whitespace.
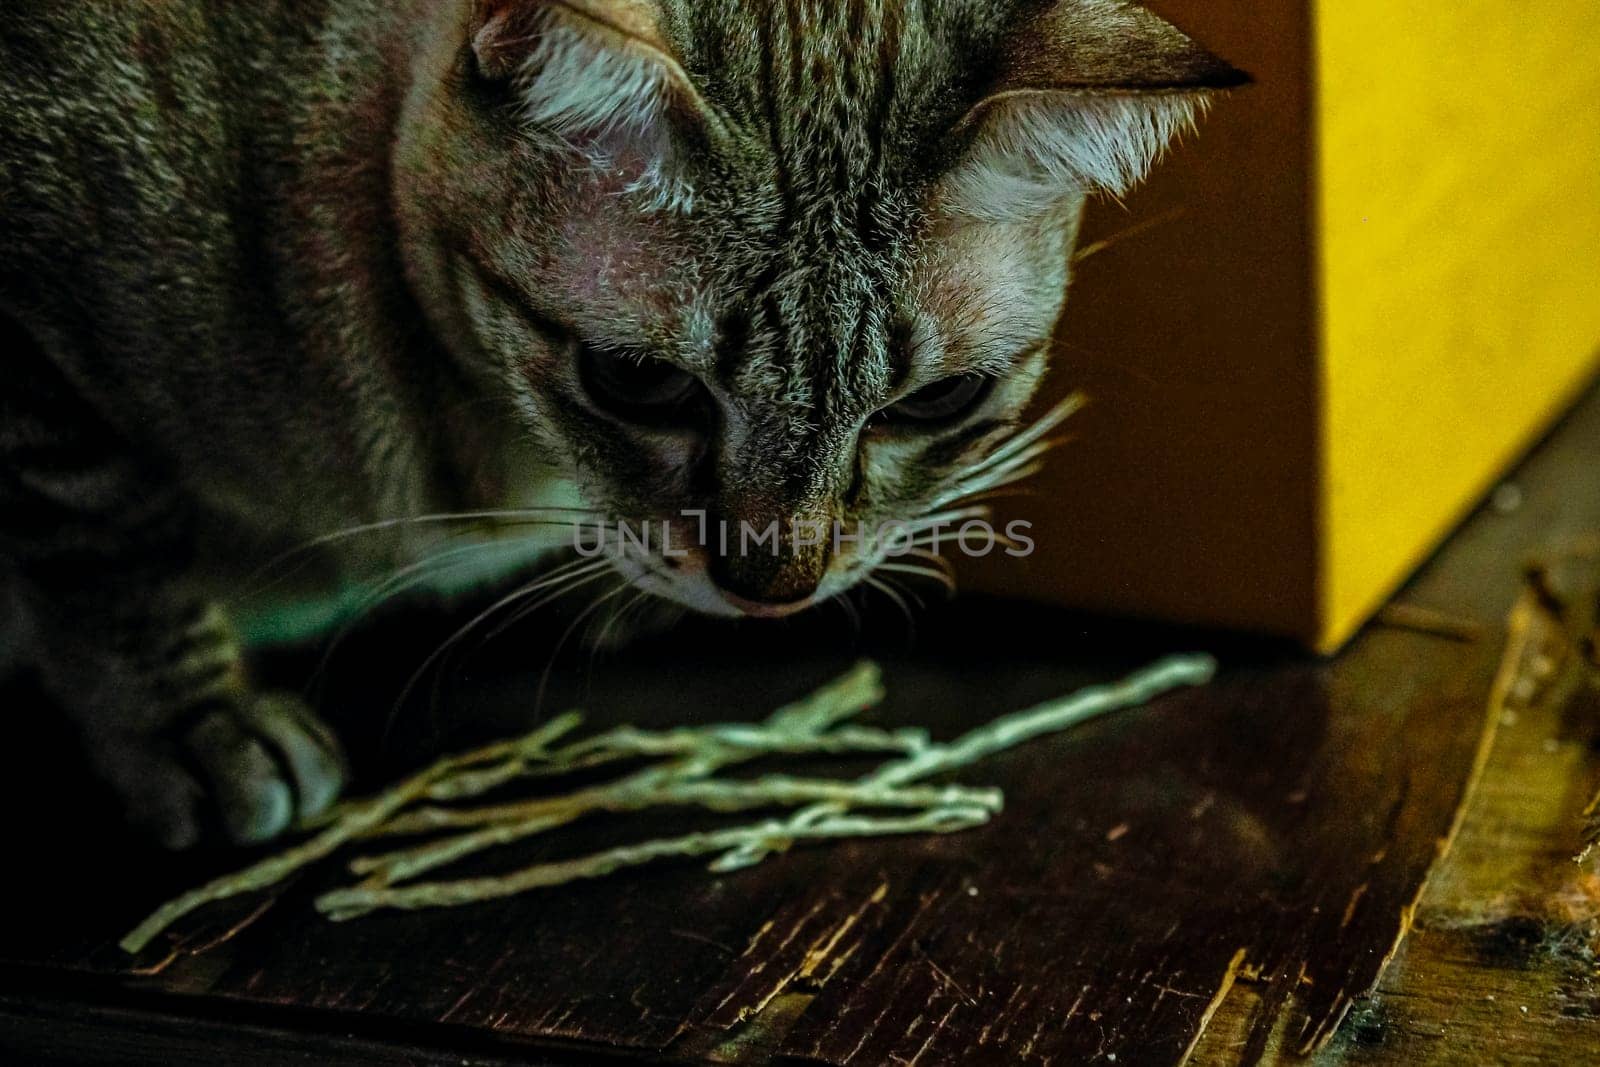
{"x":319,"y":274}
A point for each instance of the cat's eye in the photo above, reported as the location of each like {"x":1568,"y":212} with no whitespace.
{"x":943,"y":401}
{"x":637,"y":387}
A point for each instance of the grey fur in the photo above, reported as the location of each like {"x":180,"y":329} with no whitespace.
{"x":295,"y":266}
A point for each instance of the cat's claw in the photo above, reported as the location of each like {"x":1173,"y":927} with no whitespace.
{"x":251,"y":770}
{"x":307,"y":748}
{"x":246,"y":782}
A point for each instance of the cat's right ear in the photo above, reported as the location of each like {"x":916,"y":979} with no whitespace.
{"x":599,"y":74}
{"x":1085,"y":95}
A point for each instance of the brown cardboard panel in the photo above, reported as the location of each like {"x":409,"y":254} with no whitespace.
{"x":1188,"y":489}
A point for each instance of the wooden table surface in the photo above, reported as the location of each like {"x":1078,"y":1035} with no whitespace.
{"x":1231,"y":875}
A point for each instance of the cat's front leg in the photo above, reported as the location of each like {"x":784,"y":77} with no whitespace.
{"x":169,"y":721}
{"x":98,"y":539}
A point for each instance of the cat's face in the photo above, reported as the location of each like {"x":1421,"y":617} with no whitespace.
{"x":758,"y":265}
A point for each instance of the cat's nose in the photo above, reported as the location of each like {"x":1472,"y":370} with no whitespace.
{"x":765,"y":585}
{"x":773,"y":570}
{"x":760,"y":609}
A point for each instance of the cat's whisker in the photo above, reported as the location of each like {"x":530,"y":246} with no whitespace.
{"x":1002,"y":492}
{"x":1009,"y":463}
{"x":946,"y":517}
{"x":851,"y":612}
{"x":395,"y":585}
{"x":445,"y":517}
{"x":1000,"y":540}
{"x":975,"y":489}
{"x":934,"y":558}
{"x":580,"y":574}
{"x":1010,"y":476}
{"x":907,"y":591}
{"x":882,"y":585}
{"x":1046,"y":423}
{"x":509,"y":517}
{"x":613,"y":620}
{"x":1089,"y":251}
{"x":572,"y":581}
{"x":906,"y":533}
{"x":955,"y":536}
{"x":1018,"y":453}
{"x":621,"y":587}
{"x":569,"y":581}
{"x":963,"y":493}
{"x":941,"y":577}
{"x":976,"y":480}
{"x":410,"y":576}
{"x":615,"y":544}
{"x":637,"y":605}
{"x":1032,"y":454}
{"x":489,"y":518}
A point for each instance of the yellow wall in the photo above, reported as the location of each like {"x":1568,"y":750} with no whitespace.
{"x":1452,"y":335}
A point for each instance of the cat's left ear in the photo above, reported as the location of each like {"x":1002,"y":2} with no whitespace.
{"x":1087,"y":95}
{"x":598,"y":73}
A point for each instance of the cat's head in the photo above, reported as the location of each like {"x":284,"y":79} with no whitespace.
{"x":774,"y":261}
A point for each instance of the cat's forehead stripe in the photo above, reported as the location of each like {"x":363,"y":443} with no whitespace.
{"x":814,"y":89}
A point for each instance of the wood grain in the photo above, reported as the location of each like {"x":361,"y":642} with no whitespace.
{"x":1219,"y":877}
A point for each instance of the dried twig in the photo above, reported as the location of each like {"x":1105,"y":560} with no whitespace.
{"x":351,"y":903}
{"x":505,"y":824}
{"x":483,"y":769}
{"x":686,"y":761}
{"x":791,"y":730}
{"x":1007,"y":732}
{"x":357,"y":820}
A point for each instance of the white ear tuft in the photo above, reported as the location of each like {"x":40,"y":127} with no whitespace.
{"x":1033,"y":153}
{"x":600,"y":92}
{"x":1085,"y":95}
{"x":577,"y":87}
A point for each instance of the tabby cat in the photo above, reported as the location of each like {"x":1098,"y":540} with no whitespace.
{"x":333,"y":276}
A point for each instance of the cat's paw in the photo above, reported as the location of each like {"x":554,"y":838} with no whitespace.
{"x":266,"y":765}
{"x":249,"y":770}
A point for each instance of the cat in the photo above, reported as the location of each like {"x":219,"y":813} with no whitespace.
{"x":336,"y":277}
